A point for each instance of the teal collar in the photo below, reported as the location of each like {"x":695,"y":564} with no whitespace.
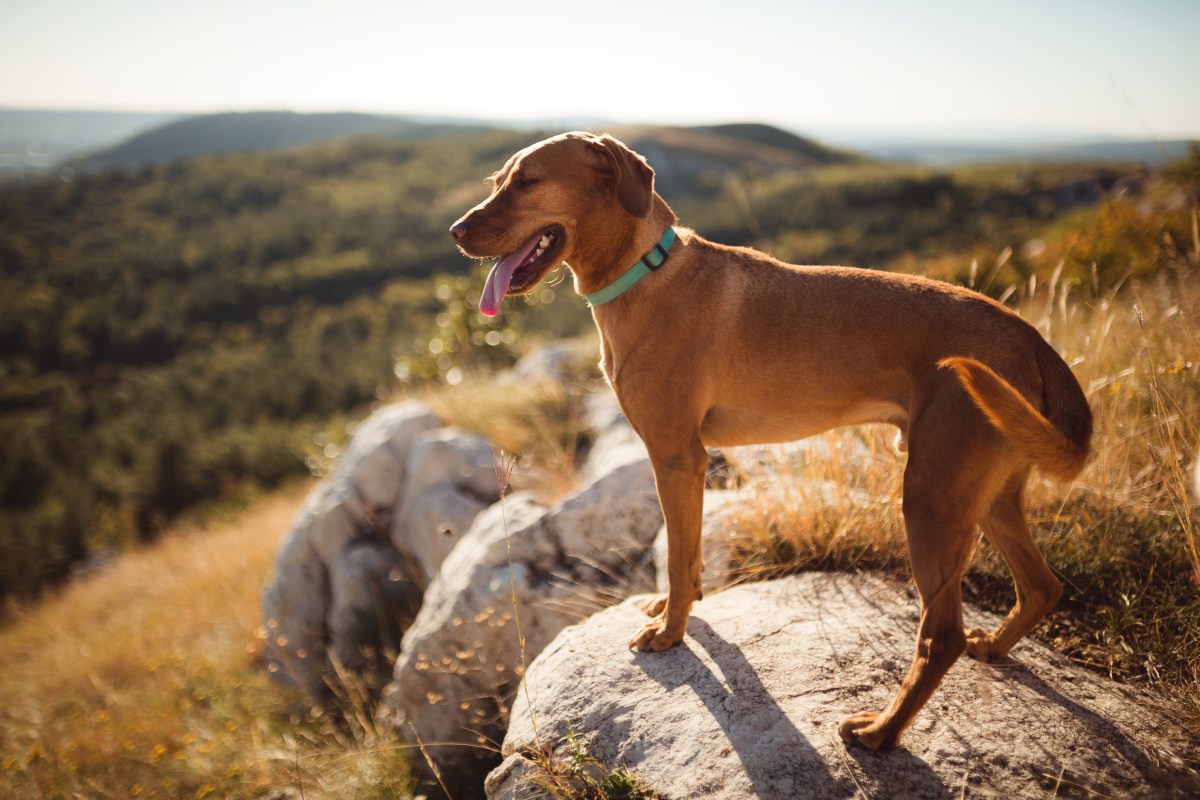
{"x":645,"y":265}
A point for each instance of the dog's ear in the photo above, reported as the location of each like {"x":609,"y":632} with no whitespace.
{"x":633,"y":179}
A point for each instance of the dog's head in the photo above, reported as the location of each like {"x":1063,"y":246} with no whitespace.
{"x":549,"y":203}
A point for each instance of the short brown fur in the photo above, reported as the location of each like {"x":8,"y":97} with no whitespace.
{"x":725,"y":346}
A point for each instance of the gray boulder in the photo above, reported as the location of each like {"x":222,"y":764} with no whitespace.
{"x":521,"y":564}
{"x":449,"y":477}
{"x":747,"y":707}
{"x":354,"y":564}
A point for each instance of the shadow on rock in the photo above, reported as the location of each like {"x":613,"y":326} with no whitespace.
{"x":759,"y":732}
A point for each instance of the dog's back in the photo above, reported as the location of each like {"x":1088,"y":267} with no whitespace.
{"x":786,"y":351}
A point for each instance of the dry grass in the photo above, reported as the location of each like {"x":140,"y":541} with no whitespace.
{"x":143,"y":680}
{"x":1123,"y":537}
{"x":538,"y":422}
{"x":833,"y":504}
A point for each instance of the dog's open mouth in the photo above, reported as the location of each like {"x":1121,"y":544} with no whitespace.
{"x":520,"y":270}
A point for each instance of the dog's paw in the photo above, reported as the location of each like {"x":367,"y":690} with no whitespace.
{"x":981,"y":645}
{"x":655,"y":605}
{"x":864,"y":728}
{"x":654,"y":637}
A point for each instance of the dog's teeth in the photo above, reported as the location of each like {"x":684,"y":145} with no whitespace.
{"x":544,"y":242}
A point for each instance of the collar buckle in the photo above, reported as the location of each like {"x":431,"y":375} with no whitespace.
{"x":657,"y":250}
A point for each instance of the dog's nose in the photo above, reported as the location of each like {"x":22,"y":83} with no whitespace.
{"x":459,"y":229}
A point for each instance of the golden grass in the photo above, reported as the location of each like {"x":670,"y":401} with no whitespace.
{"x":142,"y":680}
{"x":1125,"y":538}
{"x":834,"y":505}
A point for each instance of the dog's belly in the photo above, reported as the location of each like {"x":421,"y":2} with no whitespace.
{"x":736,"y":426}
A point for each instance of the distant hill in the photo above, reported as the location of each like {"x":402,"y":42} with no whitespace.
{"x":780,"y":138}
{"x":258,"y":130}
{"x":34,"y":142}
{"x":684,"y":158}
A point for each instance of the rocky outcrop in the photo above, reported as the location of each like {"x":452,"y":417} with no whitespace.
{"x":356,"y":561}
{"x":522,"y":573}
{"x":403,"y":549}
{"x":747,"y":706}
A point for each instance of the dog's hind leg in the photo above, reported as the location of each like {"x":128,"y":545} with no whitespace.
{"x":1037,"y":588}
{"x":940,"y":637}
{"x":953,"y":472}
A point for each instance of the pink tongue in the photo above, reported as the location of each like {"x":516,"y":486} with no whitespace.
{"x":500,"y":277}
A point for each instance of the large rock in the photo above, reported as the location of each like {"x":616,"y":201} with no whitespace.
{"x":450,"y":477}
{"x":520,"y":564}
{"x":747,"y":707}
{"x":350,"y":574}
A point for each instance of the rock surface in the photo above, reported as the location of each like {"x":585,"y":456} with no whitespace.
{"x":520,"y":563}
{"x":353,"y":566}
{"x":449,"y":477}
{"x":747,"y":706}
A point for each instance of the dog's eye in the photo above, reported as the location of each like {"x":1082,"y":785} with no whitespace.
{"x":525,"y":182}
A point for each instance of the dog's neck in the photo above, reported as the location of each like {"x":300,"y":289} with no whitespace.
{"x":606,"y":254}
{"x":623,"y":324}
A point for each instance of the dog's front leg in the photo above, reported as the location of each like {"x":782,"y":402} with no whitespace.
{"x":679,"y":475}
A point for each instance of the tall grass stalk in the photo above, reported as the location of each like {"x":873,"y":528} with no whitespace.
{"x":504,"y":467}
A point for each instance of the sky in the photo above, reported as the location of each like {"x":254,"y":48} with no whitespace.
{"x":1102,"y":69}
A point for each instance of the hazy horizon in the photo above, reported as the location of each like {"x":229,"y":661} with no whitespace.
{"x":833,"y":134}
{"x":1072,"y":69}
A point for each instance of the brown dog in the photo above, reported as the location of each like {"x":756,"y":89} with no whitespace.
{"x":720,"y":346}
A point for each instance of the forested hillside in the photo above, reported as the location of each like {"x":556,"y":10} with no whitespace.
{"x":169,"y":334}
{"x":176,"y":334}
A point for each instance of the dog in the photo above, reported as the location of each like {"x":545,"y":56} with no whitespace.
{"x":707,"y":345}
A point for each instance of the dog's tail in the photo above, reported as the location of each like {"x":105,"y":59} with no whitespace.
{"x":1059,"y":441}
